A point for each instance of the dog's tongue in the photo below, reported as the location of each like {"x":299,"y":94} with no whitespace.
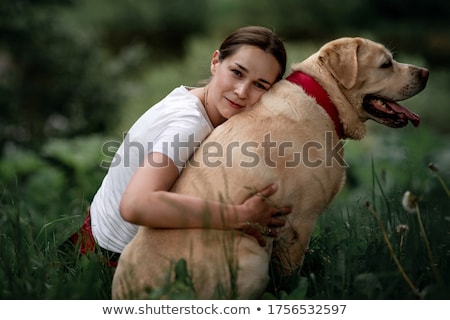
{"x":413,"y":117}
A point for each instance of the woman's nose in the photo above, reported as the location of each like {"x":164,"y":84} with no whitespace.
{"x":241,"y":90}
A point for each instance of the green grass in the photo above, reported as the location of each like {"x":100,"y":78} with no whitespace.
{"x":358,"y":252}
{"x":33,"y":267}
{"x":348,"y":259}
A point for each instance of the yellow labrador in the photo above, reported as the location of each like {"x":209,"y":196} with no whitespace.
{"x":291,"y":137}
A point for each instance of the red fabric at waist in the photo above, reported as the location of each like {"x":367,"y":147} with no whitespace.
{"x":84,"y":239}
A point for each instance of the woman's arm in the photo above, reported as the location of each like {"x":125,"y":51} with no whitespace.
{"x":147,"y":201}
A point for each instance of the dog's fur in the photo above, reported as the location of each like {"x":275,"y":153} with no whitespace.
{"x":358,"y":75}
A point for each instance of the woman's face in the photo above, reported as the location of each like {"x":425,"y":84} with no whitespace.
{"x":239,"y":81}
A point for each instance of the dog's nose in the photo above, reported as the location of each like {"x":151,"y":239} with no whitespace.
{"x":424,"y":73}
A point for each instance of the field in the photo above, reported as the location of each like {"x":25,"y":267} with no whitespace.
{"x":367,"y":245}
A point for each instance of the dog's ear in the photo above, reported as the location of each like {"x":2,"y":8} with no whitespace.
{"x":341,"y":59}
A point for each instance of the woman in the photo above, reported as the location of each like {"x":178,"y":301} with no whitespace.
{"x":136,"y":189}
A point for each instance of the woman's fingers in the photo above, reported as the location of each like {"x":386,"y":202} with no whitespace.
{"x":270,"y":217}
{"x":276,"y":222}
{"x":283,"y":211}
{"x":268,"y":191}
{"x":277,"y":219}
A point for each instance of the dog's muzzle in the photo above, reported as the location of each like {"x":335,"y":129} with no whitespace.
{"x":389,"y":113}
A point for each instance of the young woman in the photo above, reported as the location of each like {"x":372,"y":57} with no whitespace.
{"x":136,"y":189}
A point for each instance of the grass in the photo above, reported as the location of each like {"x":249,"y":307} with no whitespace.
{"x":357,"y":252}
{"x":32,"y":267}
{"x":379,"y":250}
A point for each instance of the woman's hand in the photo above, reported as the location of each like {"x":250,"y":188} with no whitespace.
{"x":262,"y":215}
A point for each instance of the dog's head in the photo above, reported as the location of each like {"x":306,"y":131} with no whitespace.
{"x":365,"y":77}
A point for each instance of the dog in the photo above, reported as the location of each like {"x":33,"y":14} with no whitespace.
{"x":293,"y":137}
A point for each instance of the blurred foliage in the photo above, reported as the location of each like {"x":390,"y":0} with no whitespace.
{"x":59,"y":180}
{"x":63,"y":63}
{"x":74,"y":73}
{"x":51,"y":83}
{"x":164,"y":27}
{"x":416,"y":26}
{"x":59,"y":78}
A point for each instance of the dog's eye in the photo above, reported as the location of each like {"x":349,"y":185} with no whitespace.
{"x":387,"y":64}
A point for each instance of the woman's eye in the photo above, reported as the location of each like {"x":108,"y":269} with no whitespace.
{"x":261,"y":86}
{"x":236,"y":72}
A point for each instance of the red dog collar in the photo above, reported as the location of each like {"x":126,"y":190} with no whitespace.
{"x":315,"y":90}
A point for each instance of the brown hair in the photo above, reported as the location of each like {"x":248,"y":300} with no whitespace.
{"x":260,"y":37}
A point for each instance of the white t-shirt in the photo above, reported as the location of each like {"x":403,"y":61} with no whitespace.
{"x":175,"y":126}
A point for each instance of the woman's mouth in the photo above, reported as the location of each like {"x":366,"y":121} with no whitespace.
{"x":234,"y":105}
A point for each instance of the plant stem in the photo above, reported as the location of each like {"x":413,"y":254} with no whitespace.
{"x":400,"y":247}
{"x":427,"y":244}
{"x":392,"y":253}
{"x":443,"y":184}
{"x":435,"y":170}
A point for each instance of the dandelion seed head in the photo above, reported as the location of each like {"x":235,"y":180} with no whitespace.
{"x":402,"y":229}
{"x":409,"y":202}
{"x":433,"y":167}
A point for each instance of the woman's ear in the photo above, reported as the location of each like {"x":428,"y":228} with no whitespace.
{"x":214,"y":61}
